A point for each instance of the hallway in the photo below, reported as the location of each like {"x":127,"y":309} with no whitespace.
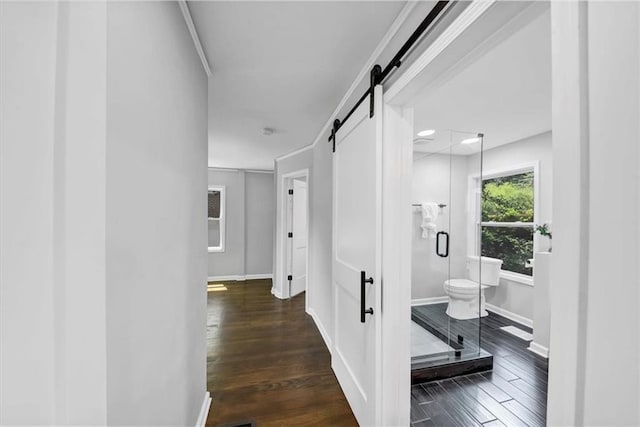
{"x":266,"y":361}
{"x":149,"y":149}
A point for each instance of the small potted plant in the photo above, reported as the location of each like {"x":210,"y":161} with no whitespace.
{"x":544,"y":230}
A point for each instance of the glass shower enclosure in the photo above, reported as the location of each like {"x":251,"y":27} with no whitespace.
{"x":446,"y":271}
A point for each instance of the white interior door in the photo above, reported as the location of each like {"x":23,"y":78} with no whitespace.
{"x":299,"y":241}
{"x":356,"y":249}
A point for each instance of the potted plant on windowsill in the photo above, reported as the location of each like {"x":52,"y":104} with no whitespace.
{"x":544,"y":230}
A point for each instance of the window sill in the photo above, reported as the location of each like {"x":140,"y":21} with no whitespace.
{"x":215,"y":250}
{"x":516,"y":277}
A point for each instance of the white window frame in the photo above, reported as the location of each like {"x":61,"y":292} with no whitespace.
{"x":475,"y":210}
{"x":223,"y":214}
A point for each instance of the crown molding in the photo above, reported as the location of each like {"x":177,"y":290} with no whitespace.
{"x":184,"y":8}
{"x":221,"y":169}
{"x":298,"y":151}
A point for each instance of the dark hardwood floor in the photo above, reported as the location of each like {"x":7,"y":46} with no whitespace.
{"x":267,"y":362}
{"x":513,"y":394}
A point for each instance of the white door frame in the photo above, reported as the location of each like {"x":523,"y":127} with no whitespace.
{"x":397,"y":178}
{"x":296,"y":203}
{"x":397,"y":165}
{"x":285,"y":183}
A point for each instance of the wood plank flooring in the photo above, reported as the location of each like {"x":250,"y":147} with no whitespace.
{"x":267,"y":362}
{"x":513,"y":394}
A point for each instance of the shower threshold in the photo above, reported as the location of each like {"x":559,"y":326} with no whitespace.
{"x":458,"y":353}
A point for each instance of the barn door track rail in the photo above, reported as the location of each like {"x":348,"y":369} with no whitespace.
{"x":378,"y":75}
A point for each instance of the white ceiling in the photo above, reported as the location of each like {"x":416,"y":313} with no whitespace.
{"x":282,"y":65}
{"x":505,"y":94}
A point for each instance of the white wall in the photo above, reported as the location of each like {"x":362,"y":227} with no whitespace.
{"x":156,"y":217}
{"x":27,"y":84}
{"x":594,"y":364}
{"x":614,"y":197}
{"x":79,"y":215}
{"x":102,"y":304}
{"x":260,"y":222}
{"x":53,"y":174}
{"x":320,"y":238}
{"x":249,"y":224}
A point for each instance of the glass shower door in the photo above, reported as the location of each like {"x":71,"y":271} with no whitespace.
{"x":465,"y":289}
{"x":444,"y":238}
{"x":431,"y":263}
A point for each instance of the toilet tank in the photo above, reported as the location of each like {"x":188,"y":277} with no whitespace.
{"x":490,"y":270}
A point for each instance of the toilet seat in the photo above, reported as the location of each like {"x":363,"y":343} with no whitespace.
{"x":462,"y":286}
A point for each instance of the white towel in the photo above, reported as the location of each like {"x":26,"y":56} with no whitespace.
{"x":429,"y":215}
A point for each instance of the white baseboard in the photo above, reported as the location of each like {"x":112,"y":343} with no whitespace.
{"x":427,"y":301}
{"x":323,"y":331}
{"x":223,"y":278}
{"x":276,"y":294}
{"x":509,"y":315}
{"x":240,"y":278}
{"x":204,"y":410}
{"x":538,"y":349}
{"x":258,"y":276}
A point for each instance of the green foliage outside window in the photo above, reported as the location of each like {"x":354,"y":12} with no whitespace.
{"x":508,"y":199}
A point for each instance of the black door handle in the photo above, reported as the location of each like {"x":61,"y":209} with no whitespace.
{"x":363,"y":281}
{"x":446,"y":253}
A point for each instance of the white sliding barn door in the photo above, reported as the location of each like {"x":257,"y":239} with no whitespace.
{"x":356,"y":356}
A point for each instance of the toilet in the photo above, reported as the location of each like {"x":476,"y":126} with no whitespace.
{"x":463,"y":293}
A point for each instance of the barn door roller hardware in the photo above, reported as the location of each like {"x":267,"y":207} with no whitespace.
{"x":374,"y":80}
{"x":378,"y":75}
{"x":334,"y":129}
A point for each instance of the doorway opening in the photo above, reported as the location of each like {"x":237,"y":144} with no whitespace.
{"x":296,"y":256}
{"x":480,"y":191}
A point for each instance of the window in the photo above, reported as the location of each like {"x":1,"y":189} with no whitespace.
{"x":507,"y":220}
{"x":215,"y":215}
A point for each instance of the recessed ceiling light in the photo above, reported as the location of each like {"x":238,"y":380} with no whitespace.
{"x":470,"y":140}
{"x":427,"y":132}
